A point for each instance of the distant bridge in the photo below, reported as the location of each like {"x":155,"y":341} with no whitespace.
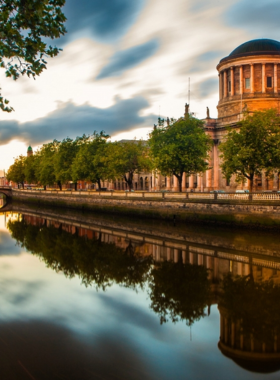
{"x":7,"y":190}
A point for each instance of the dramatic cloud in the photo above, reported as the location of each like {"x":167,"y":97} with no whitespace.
{"x":126,"y":59}
{"x":208,"y":87}
{"x":259,"y":17}
{"x":72,"y":120}
{"x":106,"y":20}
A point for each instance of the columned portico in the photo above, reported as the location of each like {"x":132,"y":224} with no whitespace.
{"x":252,"y":78}
{"x":275,"y":81}
{"x":263,"y":78}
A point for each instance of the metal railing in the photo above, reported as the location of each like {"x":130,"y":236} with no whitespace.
{"x":257,"y":196}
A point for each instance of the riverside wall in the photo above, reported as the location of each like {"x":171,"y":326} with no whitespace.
{"x":225,"y":212}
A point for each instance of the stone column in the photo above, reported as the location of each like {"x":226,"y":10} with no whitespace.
{"x":275,"y":181}
{"x":209,"y":179}
{"x":252,"y":79}
{"x":175,"y":184}
{"x":153,"y":181}
{"x":191,"y":182}
{"x":199,"y":182}
{"x":157,"y":181}
{"x":263,"y":78}
{"x":264,"y":181}
{"x":216,"y":164}
{"x":168,"y":186}
{"x":184,"y":182}
{"x":241,"y":79}
{"x":232,"y":80}
{"x":275,"y":79}
{"x":221,"y":85}
{"x":225,"y":84}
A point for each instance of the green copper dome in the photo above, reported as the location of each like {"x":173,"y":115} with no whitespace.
{"x":29,"y":148}
{"x":257,"y":46}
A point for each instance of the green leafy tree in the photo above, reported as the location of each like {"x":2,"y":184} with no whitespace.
{"x":126,"y":158}
{"x":16,"y":171}
{"x":45,"y":171}
{"x":252,"y":147}
{"x":89,"y":163}
{"x":30,"y":168}
{"x":180,"y":148}
{"x":23,"y":25}
{"x":64,"y":158}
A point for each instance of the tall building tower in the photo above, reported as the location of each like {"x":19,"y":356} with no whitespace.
{"x":29,"y":151}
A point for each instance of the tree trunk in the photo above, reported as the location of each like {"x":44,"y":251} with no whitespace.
{"x":59,"y":185}
{"x":18,"y":185}
{"x":75,"y":184}
{"x":180,"y":177}
{"x":129,"y":181}
{"x":251,"y":183}
{"x":99,"y":184}
{"x":45,"y":187}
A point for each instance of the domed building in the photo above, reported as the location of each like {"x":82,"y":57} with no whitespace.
{"x":249,"y":80}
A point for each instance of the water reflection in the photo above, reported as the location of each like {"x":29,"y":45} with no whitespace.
{"x":182,"y":277}
{"x":2,"y":200}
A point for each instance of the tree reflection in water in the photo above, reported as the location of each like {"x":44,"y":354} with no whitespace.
{"x":95,"y":262}
{"x":178,"y":291}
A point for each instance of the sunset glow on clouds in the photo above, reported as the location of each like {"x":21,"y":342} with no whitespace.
{"x":125,"y":62}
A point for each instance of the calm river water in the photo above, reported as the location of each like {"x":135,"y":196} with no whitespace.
{"x":90,"y":297}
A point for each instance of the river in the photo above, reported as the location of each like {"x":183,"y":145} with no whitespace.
{"x":87,"y":296}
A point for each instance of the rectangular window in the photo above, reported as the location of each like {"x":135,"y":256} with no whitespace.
{"x":247,"y":83}
{"x":269,"y":82}
{"x":229,"y":86}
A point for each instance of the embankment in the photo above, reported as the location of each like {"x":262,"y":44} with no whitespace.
{"x":226,"y":212}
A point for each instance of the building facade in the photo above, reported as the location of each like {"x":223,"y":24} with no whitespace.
{"x":249,"y":81}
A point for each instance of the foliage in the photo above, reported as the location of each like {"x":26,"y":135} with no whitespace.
{"x":45,"y":172}
{"x":16,"y":172}
{"x":126,"y":158}
{"x":64,"y":158}
{"x":253,"y":147}
{"x":30,"y":168}
{"x":179,"y":291}
{"x":89,"y":163}
{"x":180,"y":148}
{"x":254,"y":304}
{"x":23,"y":25}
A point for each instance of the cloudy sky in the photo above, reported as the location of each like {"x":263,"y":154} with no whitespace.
{"x":126,"y":62}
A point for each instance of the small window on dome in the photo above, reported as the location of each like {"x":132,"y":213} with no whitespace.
{"x":247,"y":83}
{"x":269,"y":82}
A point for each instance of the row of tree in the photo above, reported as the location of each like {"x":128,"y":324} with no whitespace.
{"x":183,"y":147}
{"x":175,"y":149}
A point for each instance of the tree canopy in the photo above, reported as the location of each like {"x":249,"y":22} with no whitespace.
{"x":16,"y":172}
{"x":25,"y":25}
{"x":180,"y":148}
{"x":253,"y":147}
{"x":125,"y":158}
{"x":89,"y":163}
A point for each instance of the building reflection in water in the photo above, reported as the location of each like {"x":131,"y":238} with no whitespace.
{"x":183,"y":279}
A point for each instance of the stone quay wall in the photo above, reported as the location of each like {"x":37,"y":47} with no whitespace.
{"x":257,"y":214}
